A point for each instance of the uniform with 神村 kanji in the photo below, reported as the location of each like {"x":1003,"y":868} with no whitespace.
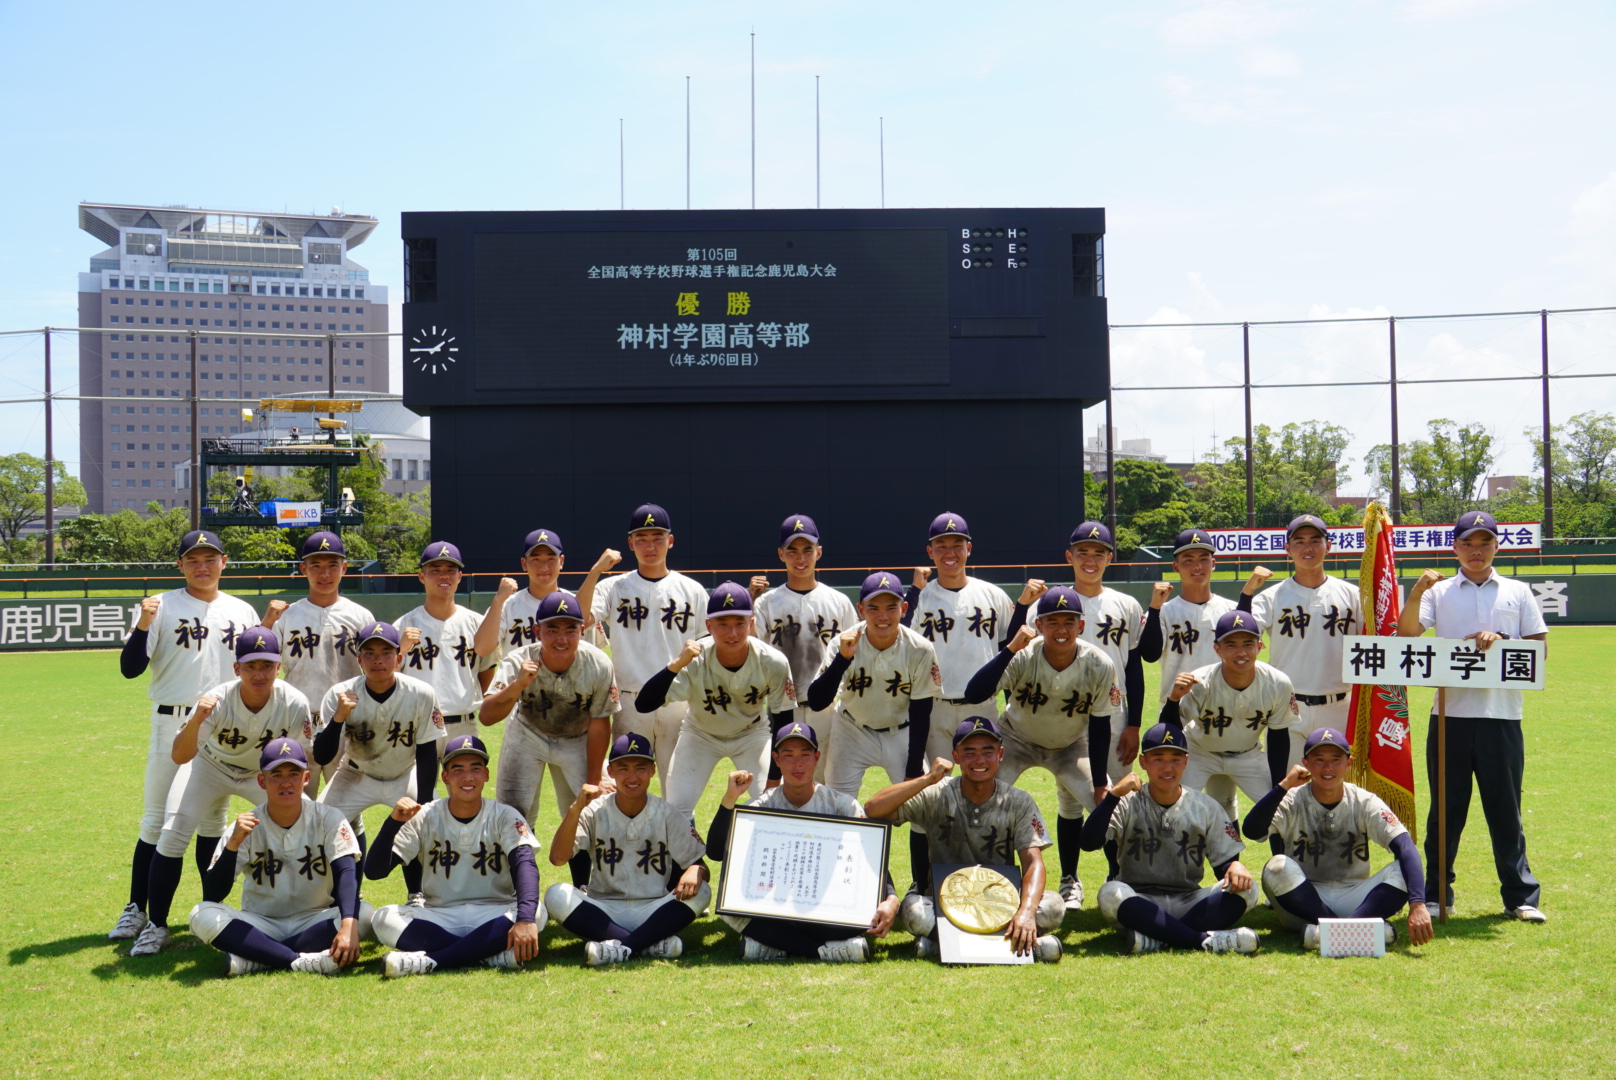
{"x":632,"y":862}
{"x":1187,"y":630}
{"x":1045,"y":723}
{"x":1328,"y":847}
{"x":549,"y":725}
{"x":872,"y":712}
{"x":1307,"y":629}
{"x":965,"y":626}
{"x":1227,"y":728}
{"x":805,"y":626}
{"x":320,"y":648}
{"x":446,"y":659}
{"x":519,"y":625}
{"x":1163,"y":852}
{"x":1112,"y":623}
{"x":382,"y":738}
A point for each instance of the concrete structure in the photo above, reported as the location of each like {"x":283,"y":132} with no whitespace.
{"x":274,"y":304}
{"x":1094,"y":450}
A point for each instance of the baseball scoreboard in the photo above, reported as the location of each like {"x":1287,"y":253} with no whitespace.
{"x":655,"y":329}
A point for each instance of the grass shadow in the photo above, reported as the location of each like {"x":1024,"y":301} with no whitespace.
{"x":49,"y":950}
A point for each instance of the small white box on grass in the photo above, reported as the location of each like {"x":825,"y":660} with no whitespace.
{"x":1352,"y":937}
{"x":958,"y":947}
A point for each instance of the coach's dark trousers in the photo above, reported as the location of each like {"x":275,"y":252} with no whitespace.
{"x":1494,"y":752}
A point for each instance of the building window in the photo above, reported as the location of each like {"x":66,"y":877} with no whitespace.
{"x":414,"y":468}
{"x":426,"y":469}
{"x":143,"y":243}
{"x":398,"y":469}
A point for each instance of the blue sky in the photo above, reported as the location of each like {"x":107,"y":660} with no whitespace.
{"x":1257,"y":160}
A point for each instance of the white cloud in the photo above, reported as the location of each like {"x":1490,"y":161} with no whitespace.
{"x":1270,"y":64}
{"x":1212,"y":23}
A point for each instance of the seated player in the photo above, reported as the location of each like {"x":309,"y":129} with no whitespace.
{"x":223,"y":733}
{"x":481,"y":901}
{"x":1228,"y":709}
{"x":1165,"y":834}
{"x":796,"y":754}
{"x":563,"y":692}
{"x":1059,"y":694}
{"x":393,"y":728}
{"x":1320,"y":827}
{"x":739,"y":691}
{"x":300,"y":906}
{"x":640,"y":895}
{"x":977,"y":819}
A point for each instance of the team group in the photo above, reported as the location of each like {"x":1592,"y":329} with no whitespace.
{"x":330,"y":712}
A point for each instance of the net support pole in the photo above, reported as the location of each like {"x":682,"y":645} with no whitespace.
{"x":1442,"y":804}
{"x":1548,"y":434}
{"x":1251,"y":477}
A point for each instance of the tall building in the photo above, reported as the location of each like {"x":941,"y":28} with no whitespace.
{"x":274,"y":302}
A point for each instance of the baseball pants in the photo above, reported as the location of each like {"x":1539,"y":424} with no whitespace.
{"x":209,"y":918}
{"x":945,"y":717}
{"x":523,"y":757}
{"x":1247,"y":770}
{"x":353,"y":792}
{"x":205,"y":800}
{"x":918,"y":913}
{"x":458,"y":919}
{"x":823,"y":724}
{"x":858,"y":750}
{"x":1176,"y":905}
{"x":698,"y":753}
{"x":1074,"y":784}
{"x":1494,"y":753}
{"x":165,"y":781}
{"x":561,"y":900}
{"x":1283,"y":875}
{"x":1309,"y":718}
{"x":660,"y":726}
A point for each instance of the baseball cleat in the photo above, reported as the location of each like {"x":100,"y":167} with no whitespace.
{"x":1136,"y":943}
{"x":1527,"y":913}
{"x":1047,"y":949}
{"x":397,"y":965}
{"x":669,"y":948}
{"x":853,"y":950}
{"x":1432,"y":910}
{"x":926,"y":949}
{"x":1310,"y":937}
{"x":1071,"y":891}
{"x":316,"y":963}
{"x":601,"y":953}
{"x":505,"y":961}
{"x":240,"y":965}
{"x":417,"y":899}
{"x":152,"y":940}
{"x":130,"y":923}
{"x":1242,"y":940}
{"x":756,"y":950}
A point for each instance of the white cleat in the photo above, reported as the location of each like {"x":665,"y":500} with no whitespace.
{"x":1527,"y":913}
{"x":756,"y":950}
{"x":1071,"y":891}
{"x":240,"y":965}
{"x":316,"y":963}
{"x":926,"y":949}
{"x":1047,"y":949}
{"x":602,"y":953}
{"x":504,"y":961}
{"x":1310,"y":937}
{"x":1137,"y":943}
{"x":130,"y":923}
{"x":1241,"y":940}
{"x":152,"y":940}
{"x":398,"y":965}
{"x":669,"y":948}
{"x":853,"y":950}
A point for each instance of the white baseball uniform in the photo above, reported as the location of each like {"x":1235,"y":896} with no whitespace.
{"x":320,"y":645}
{"x":1112,"y":622}
{"x":191,"y":647}
{"x":965,"y":626}
{"x":1163,"y":851}
{"x":1330,"y":845}
{"x":381,"y":736}
{"x":1226,"y":728}
{"x":519,"y":624}
{"x":634,"y":859}
{"x":1187,"y":631}
{"x":826,"y":801}
{"x":648,"y":622}
{"x":549,"y":725}
{"x":728,"y":717}
{"x":872,"y":712}
{"x":1046,"y":718}
{"x":228,"y":745}
{"x":1306,"y":628}
{"x":446,"y":660}
{"x":805,"y":626}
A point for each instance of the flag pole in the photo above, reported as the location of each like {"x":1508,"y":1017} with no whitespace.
{"x":1442,"y":804}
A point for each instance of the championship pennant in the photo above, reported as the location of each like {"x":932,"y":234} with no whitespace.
{"x":1378,"y":727}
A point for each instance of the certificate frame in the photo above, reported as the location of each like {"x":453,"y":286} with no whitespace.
{"x":796,"y":847}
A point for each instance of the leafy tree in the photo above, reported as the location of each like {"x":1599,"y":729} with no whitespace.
{"x":125,"y":537}
{"x":22,"y":501}
{"x":1294,"y":471}
{"x":1442,"y":474}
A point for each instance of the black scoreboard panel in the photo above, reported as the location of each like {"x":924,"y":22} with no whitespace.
{"x":769,"y":305}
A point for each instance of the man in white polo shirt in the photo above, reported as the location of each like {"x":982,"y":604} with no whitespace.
{"x":1484,"y":726}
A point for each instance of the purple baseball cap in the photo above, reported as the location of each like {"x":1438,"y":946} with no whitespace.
{"x":632,"y":745}
{"x":442,"y":551}
{"x":200,"y":538}
{"x":796,"y":730}
{"x":323,"y":542}
{"x":1193,"y":540}
{"x":1474,"y":521}
{"x":799,"y":525}
{"x":463,"y":744}
{"x":729,"y":599}
{"x":1092,"y":532}
{"x":1059,"y":599}
{"x":279,"y":752}
{"x":948,"y":525}
{"x":1326,"y":736}
{"x":1307,"y":521}
{"x":381,"y":631}
{"x":542,"y":538}
{"x":560,"y":604}
{"x":881,"y":582}
{"x":977,"y":725}
{"x":1163,"y":737}
{"x":649,"y":516}
{"x":1237,"y":622}
{"x":258,"y":643}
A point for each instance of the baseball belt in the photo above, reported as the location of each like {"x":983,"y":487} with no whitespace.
{"x":873,"y":730}
{"x":1320,"y":699}
{"x":460,"y":718}
{"x":956,"y":701}
{"x":175,"y":710}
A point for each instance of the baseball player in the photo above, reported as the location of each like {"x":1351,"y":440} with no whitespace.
{"x":230,"y":726}
{"x":976,"y":818}
{"x":438,"y":639}
{"x":886,"y":678}
{"x":648,"y":881}
{"x":649,"y":613}
{"x":564,"y":694}
{"x":511,"y":621}
{"x":1307,"y":618}
{"x":299,"y":882}
{"x":188,"y":638}
{"x":319,"y":633}
{"x":1165,"y":835}
{"x":803,"y":618}
{"x":1484,"y":726}
{"x":796,"y":757}
{"x":482,"y":878}
{"x":391,"y":727}
{"x":1237,"y":714}
{"x":738,"y":691}
{"x":1320,"y":827}
{"x":1060,"y":691}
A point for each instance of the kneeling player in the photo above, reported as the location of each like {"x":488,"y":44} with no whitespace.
{"x":1165,"y":834}
{"x":977,"y":819}
{"x":300,"y":906}
{"x":629,"y":907}
{"x":1320,"y":827}
{"x":481,"y":901}
{"x":796,"y":754}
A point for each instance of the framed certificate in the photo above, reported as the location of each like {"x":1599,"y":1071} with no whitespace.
{"x":807,"y":867}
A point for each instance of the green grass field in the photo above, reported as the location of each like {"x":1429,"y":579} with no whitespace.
{"x":1489,"y":997}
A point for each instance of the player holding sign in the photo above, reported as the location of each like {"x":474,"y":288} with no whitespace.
{"x":438,"y":639}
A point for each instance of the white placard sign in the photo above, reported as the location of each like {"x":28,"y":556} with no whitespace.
{"x":1511,"y":664}
{"x":803,"y":866}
